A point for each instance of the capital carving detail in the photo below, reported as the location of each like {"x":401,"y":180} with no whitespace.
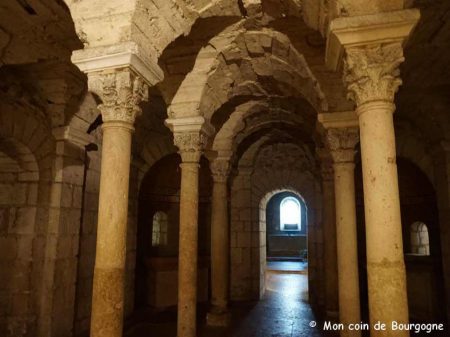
{"x":342,"y":142}
{"x":190,"y":145}
{"x":220,"y":170}
{"x":121,"y":93}
{"x":372,"y":72}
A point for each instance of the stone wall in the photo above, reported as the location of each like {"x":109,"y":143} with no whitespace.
{"x":19,"y":178}
{"x":41,"y":188}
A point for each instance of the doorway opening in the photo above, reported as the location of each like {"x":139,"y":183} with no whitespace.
{"x":284,"y":216}
{"x":286,"y":220}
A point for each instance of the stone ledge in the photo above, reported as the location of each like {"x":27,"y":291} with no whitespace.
{"x":125,"y":55}
{"x":361,"y":30}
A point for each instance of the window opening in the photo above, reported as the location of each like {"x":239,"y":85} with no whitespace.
{"x":290,"y":214}
{"x":159,"y":233}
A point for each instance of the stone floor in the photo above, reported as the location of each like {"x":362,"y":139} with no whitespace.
{"x":284,"y":311}
{"x":287,"y":266}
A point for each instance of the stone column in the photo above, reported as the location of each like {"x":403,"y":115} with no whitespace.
{"x":371,"y":47}
{"x":121,"y":92}
{"x":329,"y":232}
{"x":371,"y":73}
{"x":220,"y":245}
{"x":342,"y":142}
{"x":190,"y":142}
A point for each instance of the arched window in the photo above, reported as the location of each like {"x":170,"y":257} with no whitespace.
{"x":159,"y":233}
{"x":290,"y":214}
{"x":420,"y":242}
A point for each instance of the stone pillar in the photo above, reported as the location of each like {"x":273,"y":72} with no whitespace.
{"x":220,"y":245}
{"x":371,"y":73}
{"x":190,"y":136}
{"x":121,"y":92}
{"x":342,"y":142}
{"x":371,"y":47}
{"x":329,"y":232}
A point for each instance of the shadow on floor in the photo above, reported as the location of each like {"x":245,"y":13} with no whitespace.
{"x":283,"y":312}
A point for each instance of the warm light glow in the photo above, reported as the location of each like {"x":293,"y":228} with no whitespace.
{"x":290,"y":213}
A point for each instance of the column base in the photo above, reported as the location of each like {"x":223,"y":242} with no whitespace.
{"x":332,"y":315}
{"x":219,"y":319}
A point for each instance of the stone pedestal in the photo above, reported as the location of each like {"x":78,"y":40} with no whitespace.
{"x":220,"y":246}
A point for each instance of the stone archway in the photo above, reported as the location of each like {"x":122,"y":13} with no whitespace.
{"x":263,"y":228}
{"x":19,"y":177}
{"x":286,"y":227}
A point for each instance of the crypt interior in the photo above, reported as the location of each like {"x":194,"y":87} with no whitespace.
{"x":223,"y":167}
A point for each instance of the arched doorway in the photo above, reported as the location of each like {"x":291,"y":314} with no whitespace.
{"x":283,"y":217}
{"x":158,"y":235}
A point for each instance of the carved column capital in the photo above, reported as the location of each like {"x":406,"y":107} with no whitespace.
{"x":190,"y":145}
{"x":220,"y":169}
{"x":342,"y":142}
{"x":121,"y":92}
{"x":372,"y":72}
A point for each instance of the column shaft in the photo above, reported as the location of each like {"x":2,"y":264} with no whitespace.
{"x":219,"y":246}
{"x":385,"y":262}
{"x":188,"y":250}
{"x":331,"y":277}
{"x":108,"y":287}
{"x":347,"y":247}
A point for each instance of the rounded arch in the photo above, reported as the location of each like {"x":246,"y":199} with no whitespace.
{"x":252,"y":117}
{"x":26,"y":126}
{"x":19,"y":186}
{"x":240,"y":64}
{"x":266,"y":199}
{"x":158,"y":225}
{"x":255,"y":181}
